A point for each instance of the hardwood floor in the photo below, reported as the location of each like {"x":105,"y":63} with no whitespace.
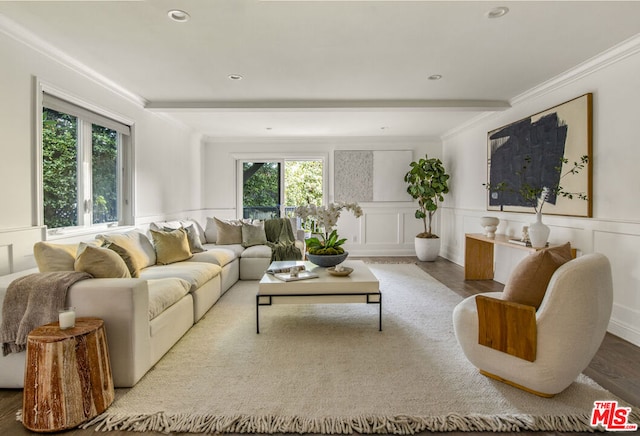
{"x":616,"y":366}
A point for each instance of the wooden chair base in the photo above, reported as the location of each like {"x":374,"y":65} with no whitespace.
{"x":516,"y":385}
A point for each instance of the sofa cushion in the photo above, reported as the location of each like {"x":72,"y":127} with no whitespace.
{"x":196,"y":273}
{"x":163,"y":293}
{"x":163,"y":225}
{"x":101,"y":262}
{"x":54,"y":257}
{"x":257,"y":251}
{"x":228,"y":232}
{"x":217,"y":255}
{"x":253,"y":234}
{"x":171,"y":246}
{"x":237,"y":249}
{"x":528,"y":282}
{"x":134,"y":245}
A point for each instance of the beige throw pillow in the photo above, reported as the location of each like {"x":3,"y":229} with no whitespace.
{"x":101,"y":263}
{"x":253,"y":234}
{"x":171,"y":246}
{"x":54,"y":257}
{"x":528,"y":282}
{"x":228,"y":233}
{"x":134,"y":247}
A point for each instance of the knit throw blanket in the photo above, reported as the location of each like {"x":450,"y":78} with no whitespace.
{"x":32,"y":301}
{"x":281,"y":240}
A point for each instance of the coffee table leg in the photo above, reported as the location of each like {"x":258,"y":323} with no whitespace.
{"x":380,"y":314}
{"x":257,"y":314}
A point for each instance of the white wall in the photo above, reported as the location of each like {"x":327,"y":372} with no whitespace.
{"x":614,"y":230}
{"x":386,"y":228}
{"x":168,"y":171}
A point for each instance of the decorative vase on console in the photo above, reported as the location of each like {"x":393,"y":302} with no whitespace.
{"x":539,"y":232}
{"x":490,"y":224}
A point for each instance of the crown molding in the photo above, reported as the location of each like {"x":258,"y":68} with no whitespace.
{"x":29,"y":39}
{"x":615,"y":54}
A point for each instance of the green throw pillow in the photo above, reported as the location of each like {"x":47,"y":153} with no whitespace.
{"x":253,"y":234}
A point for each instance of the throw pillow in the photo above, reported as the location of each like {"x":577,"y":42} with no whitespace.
{"x":528,"y":282}
{"x":253,"y":234}
{"x":54,"y":257}
{"x":211,"y":231}
{"x":101,"y":262}
{"x":137,"y":246}
{"x":127,"y":256}
{"x":171,"y":246}
{"x":228,"y":232}
{"x":197,"y":226}
{"x":193,"y":238}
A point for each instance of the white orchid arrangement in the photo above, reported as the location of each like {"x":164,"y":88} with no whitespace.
{"x":325,"y":219}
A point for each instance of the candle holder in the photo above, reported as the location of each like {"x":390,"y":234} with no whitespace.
{"x":67,"y":318}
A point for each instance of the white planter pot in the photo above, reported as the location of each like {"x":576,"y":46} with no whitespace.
{"x":427,"y":249}
{"x":539,"y":232}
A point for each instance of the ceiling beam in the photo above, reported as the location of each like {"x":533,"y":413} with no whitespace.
{"x":330,"y":105}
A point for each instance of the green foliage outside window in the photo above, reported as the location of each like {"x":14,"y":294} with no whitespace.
{"x":303,"y":183}
{"x":60,"y":173}
{"x":59,"y":169}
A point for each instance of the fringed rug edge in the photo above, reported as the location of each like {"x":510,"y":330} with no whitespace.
{"x":366,"y":424}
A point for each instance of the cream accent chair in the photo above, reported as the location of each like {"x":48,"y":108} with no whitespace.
{"x":570,"y":324}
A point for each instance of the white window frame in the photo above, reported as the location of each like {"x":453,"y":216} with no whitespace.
{"x":126,"y":159}
{"x":242,"y":158}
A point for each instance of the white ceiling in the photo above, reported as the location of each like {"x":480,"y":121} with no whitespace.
{"x":327,"y":68}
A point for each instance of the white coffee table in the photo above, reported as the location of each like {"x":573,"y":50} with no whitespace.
{"x":361,"y":286}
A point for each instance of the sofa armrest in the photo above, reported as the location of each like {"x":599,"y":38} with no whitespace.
{"x":507,"y":326}
{"x":123,"y":304}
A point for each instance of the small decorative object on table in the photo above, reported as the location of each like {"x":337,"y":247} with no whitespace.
{"x":340,"y":271}
{"x":67,"y":318}
{"x":327,"y":250}
{"x":490,"y":224}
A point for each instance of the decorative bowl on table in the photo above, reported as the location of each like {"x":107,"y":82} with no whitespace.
{"x":327,"y":260}
{"x":345,"y":271}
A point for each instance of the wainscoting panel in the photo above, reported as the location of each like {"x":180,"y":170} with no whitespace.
{"x":382,"y":228}
{"x":623,"y":251}
{"x":16,"y":248}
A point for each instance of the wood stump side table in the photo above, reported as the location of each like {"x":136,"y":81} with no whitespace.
{"x":67,"y":376}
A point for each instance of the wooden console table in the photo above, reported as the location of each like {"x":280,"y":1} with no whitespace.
{"x":478,"y":254}
{"x":68,"y":376}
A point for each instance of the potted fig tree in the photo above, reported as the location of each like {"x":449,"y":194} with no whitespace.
{"x":428,"y":182}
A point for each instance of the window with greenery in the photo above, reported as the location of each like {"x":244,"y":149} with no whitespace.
{"x":266,"y":186}
{"x":84,"y":167}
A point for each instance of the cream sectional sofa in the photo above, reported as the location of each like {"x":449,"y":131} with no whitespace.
{"x":146,"y":315}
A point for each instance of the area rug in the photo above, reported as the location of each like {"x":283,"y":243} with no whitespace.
{"x":327,"y":369}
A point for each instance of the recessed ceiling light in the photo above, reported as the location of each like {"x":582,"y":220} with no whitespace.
{"x":498,"y":12}
{"x":435,"y":77}
{"x":235,"y":77}
{"x":178,"y":15}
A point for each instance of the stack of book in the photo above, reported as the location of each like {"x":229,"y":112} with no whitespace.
{"x":287,"y":275}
